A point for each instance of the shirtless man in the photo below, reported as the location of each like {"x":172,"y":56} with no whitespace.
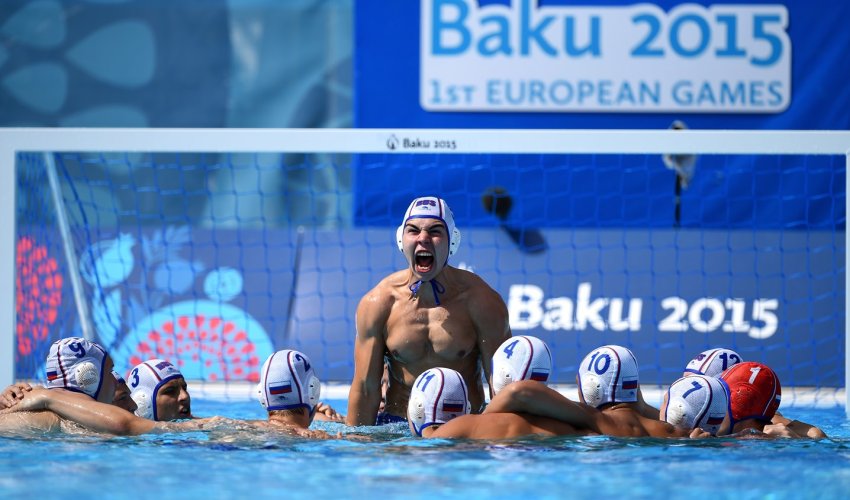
{"x":714,"y":362}
{"x":428,"y":315}
{"x":608,"y":381}
{"x":78,"y":370}
{"x":695,"y":402}
{"x":43,"y":411}
{"x":15,"y":392}
{"x":288,"y":389}
{"x":159,"y":391}
{"x":438,"y":408}
{"x":523,"y":408}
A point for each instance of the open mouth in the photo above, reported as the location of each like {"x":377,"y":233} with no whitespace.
{"x":424,"y":261}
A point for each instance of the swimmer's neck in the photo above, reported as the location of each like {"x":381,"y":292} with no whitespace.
{"x":430,"y":430}
{"x":618,"y":406}
{"x":281,"y":419}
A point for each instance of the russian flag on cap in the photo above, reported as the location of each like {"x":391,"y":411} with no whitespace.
{"x":277,"y":390}
{"x":539,"y":376}
{"x":630,"y":384}
{"x":452,"y":407}
{"x":52,"y":375}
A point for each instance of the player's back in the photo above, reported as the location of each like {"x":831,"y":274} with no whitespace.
{"x":504,"y":426}
{"x":624,"y":420}
{"x":29,"y":423}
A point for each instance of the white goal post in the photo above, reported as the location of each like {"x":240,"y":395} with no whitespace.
{"x":380,"y":141}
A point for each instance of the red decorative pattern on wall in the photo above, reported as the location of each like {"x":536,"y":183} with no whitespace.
{"x":38,"y":294}
{"x":221,"y":348}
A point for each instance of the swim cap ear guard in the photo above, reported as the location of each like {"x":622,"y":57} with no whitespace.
{"x":438,"y":395}
{"x":609,"y":374}
{"x":144,"y":404}
{"x":287,"y":381}
{"x":522,"y":357}
{"x":76,"y":364}
{"x":430,"y":207}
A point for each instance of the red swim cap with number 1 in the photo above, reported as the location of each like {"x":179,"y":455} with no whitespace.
{"x":754,"y":391}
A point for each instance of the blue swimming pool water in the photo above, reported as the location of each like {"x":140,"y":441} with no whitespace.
{"x":227,"y":465}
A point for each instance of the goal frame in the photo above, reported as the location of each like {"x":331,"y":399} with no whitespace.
{"x":383,"y":141}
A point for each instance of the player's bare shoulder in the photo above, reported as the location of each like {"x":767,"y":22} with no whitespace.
{"x":379,"y":300}
{"x":478,"y":293}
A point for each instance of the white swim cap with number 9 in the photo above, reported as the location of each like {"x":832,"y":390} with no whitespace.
{"x":76,"y":364}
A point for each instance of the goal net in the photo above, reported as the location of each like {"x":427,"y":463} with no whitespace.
{"x":213,"y":248}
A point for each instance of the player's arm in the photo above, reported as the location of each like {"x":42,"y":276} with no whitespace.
{"x":802,"y":429}
{"x":530,"y":396}
{"x":463,"y":426}
{"x":27,"y":423}
{"x":492,"y":325}
{"x":364,"y":397}
{"x":12,"y":394}
{"x":91,"y":414}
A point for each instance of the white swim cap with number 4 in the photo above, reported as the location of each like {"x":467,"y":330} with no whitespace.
{"x":522,"y":357}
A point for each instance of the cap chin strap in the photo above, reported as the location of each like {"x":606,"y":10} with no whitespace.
{"x":436,"y":286}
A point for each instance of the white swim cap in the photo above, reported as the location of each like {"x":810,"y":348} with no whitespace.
{"x":76,"y":364}
{"x":609,"y":374}
{"x":713,"y":362}
{"x":287,"y":382}
{"x":144,"y":382}
{"x":438,"y":395}
{"x":521,"y":358}
{"x":431,"y":207}
{"x":696,"y":401}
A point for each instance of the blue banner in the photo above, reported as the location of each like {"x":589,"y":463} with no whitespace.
{"x":614,"y":64}
{"x":216,"y":303}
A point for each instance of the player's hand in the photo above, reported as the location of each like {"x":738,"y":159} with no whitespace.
{"x":13,"y":394}
{"x":311,"y":434}
{"x":780,"y":430}
{"x":325,"y":412}
{"x":699,"y":434}
{"x":33,"y":400}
